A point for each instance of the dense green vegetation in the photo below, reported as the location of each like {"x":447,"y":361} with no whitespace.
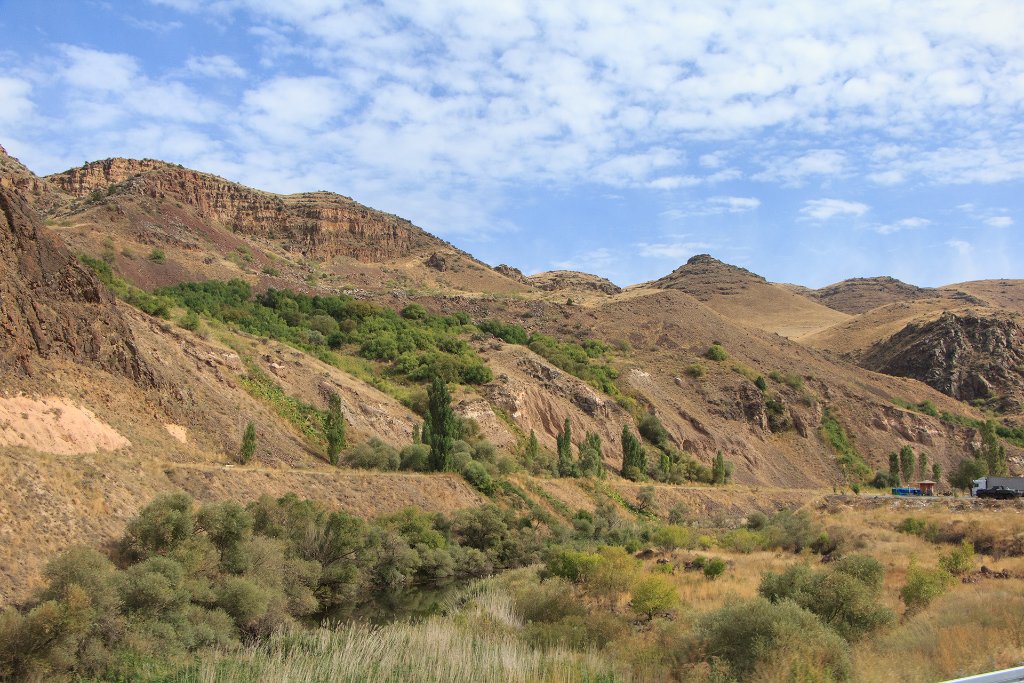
{"x":1014,"y":435}
{"x":149,"y":303}
{"x":415,"y":345}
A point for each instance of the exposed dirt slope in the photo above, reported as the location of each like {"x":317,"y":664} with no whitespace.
{"x":967,"y":356}
{"x":747,"y":298}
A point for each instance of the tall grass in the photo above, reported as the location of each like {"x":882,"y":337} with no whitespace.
{"x":478,"y":643}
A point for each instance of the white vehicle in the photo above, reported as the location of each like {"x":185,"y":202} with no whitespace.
{"x":986,"y":483}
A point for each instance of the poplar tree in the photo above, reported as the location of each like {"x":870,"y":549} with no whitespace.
{"x":634,"y":459}
{"x":248,"y":448}
{"x":566,"y":467}
{"x":334,"y":428}
{"x":443,"y":427}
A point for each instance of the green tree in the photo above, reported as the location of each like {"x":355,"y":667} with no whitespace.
{"x":334,"y":428}
{"x":591,"y":463}
{"x":645,"y":499}
{"x":993,"y":453}
{"x":719,"y":469}
{"x":248,"y":448}
{"x":443,"y":425}
{"x":566,"y":466}
{"x":760,"y":383}
{"x":936,"y":472}
{"x":634,"y":459}
{"x":907,"y":463}
{"x":922,"y":465}
{"x":894,"y":469}
{"x":966,"y":472}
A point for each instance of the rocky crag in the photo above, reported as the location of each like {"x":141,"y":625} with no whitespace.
{"x":967,"y":356}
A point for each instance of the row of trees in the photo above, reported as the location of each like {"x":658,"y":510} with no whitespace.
{"x":334,"y":433}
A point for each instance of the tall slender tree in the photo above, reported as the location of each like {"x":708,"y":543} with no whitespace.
{"x":443,"y":427}
{"x":992,"y":452}
{"x":907,"y":463}
{"x":634,"y":458}
{"x":334,"y":428}
{"x":566,"y":466}
{"x":719,"y":472}
{"x":591,"y":463}
{"x":894,"y":469}
{"x":922,"y":465}
{"x":248,"y":448}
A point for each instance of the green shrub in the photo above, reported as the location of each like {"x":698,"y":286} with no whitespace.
{"x":159,"y":527}
{"x":696,"y":370}
{"x":372,"y":455}
{"x":572,"y":565}
{"x":478,"y":477}
{"x":671,"y":536}
{"x":716,"y":352}
{"x":758,"y":637}
{"x":960,"y":560}
{"x":157,"y":255}
{"x":839,"y":598}
{"x":923,"y":586}
{"x":743,"y":540}
{"x":714,"y":567}
{"x":653,"y":594}
{"x":415,"y":457}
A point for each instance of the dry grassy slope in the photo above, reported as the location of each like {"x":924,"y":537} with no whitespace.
{"x":202,"y":221}
{"x":1006,"y":294}
{"x":668,"y":330}
{"x":861,"y":294}
{"x":748,"y":299}
{"x":859,"y":333}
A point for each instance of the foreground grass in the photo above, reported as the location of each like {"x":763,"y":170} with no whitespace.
{"x":478,"y":643}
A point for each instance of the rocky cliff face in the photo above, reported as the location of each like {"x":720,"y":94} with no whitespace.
{"x":52,"y":306}
{"x":38,"y":192}
{"x":968,"y":357}
{"x":319,"y":224}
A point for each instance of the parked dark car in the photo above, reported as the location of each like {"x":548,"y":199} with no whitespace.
{"x":999,"y":492}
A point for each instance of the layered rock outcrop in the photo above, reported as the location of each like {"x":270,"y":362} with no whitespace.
{"x":51,"y":306}
{"x":319,"y":224}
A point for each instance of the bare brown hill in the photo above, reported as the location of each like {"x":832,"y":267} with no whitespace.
{"x":208,"y":227}
{"x":968,"y":356}
{"x":1006,"y":294}
{"x":572,"y":281}
{"x":861,"y":294}
{"x":747,"y":298}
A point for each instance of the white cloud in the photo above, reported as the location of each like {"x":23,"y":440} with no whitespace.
{"x":712,"y":206}
{"x":15,"y":103}
{"x":676,"y":251}
{"x":824,"y":209}
{"x":999,"y":222}
{"x":101,"y":71}
{"x":793,"y":171}
{"x":281,"y":107}
{"x":215,"y":66}
{"x":961,"y":247}
{"x":914,"y":223}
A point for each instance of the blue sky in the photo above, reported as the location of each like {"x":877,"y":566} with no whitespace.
{"x":807,"y":141}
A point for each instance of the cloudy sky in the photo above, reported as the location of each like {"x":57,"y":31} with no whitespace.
{"x":807,"y":141}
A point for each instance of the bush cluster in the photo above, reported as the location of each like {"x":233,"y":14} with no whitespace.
{"x":183,"y":579}
{"x":416,"y":344}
